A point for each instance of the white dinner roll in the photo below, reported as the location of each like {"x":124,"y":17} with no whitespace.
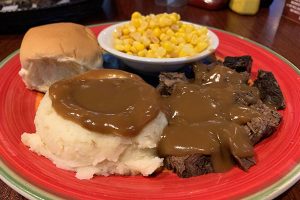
{"x":56,"y":51}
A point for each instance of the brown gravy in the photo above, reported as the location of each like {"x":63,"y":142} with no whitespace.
{"x":203,"y":118}
{"x":106,"y":101}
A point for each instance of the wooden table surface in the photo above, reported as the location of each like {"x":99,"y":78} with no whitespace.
{"x":267,"y":27}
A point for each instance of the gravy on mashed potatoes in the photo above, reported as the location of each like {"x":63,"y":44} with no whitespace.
{"x":113,"y":105}
{"x":103,"y":122}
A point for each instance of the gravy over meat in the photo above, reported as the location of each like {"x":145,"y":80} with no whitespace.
{"x":204,"y":118}
{"x":203,"y":115}
{"x":106,"y":101}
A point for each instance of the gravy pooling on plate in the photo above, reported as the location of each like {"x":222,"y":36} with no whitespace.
{"x":204,"y":118}
{"x":106,"y":101}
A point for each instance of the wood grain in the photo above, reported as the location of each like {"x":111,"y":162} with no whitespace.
{"x":267,"y":28}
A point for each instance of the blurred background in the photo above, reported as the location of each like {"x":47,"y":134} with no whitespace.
{"x":269,"y":22}
{"x":17,"y":16}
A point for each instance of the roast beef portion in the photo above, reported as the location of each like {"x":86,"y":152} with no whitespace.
{"x":239,"y":64}
{"x":201,"y":70}
{"x":261,"y":127}
{"x":167,"y":81}
{"x":245,"y":98}
{"x":245,"y":163}
{"x":191,"y":165}
{"x":198,"y":164}
{"x":257,"y":128}
{"x":270,"y":92}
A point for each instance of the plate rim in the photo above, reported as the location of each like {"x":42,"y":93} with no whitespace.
{"x":32,"y":192}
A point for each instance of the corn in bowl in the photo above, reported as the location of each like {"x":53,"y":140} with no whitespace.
{"x":160,"y":36}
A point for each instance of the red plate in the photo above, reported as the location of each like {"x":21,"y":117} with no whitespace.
{"x":37,"y":178}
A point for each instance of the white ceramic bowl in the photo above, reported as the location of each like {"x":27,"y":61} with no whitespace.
{"x":150,"y":65}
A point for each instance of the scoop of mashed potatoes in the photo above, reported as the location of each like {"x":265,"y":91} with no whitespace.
{"x":72,"y":147}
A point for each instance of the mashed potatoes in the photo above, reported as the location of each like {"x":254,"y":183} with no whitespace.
{"x":71,"y":147}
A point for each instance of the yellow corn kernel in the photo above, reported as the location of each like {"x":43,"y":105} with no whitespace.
{"x":125,"y":31}
{"x":133,"y":49}
{"x":201,"y":31}
{"x":154,"y":46}
{"x":189,"y":28}
{"x":141,"y":30}
{"x":175,"y":27}
{"x":163,"y":29}
{"x":201,"y":46}
{"x":148,"y":32}
{"x":178,"y":16}
{"x":131,"y":28}
{"x":169,"y":32}
{"x":138,"y":46}
{"x":182,"y":54}
{"x":136,"y":36}
{"x":118,"y":41}
{"x":157,"y":32}
{"x":152,"y":24}
{"x":191,"y":36}
{"x":181,"y":30}
{"x":187,"y":38}
{"x":150,"y":54}
{"x":168,"y":46}
{"x":145,"y":40}
{"x":187,"y":50}
{"x":129,"y":53}
{"x":119,"y":47}
{"x":127,"y":47}
{"x":152,"y":16}
{"x":164,"y":21}
{"x":175,"y":52}
{"x":163,"y":37}
{"x":117,"y":34}
{"x":203,"y":38}
{"x":136,"y":15}
{"x":174,"y":17}
{"x":124,"y":37}
{"x":144,"y":25}
{"x":142,"y":53}
{"x":136,"y":22}
{"x":194,"y":39}
{"x":173,"y":40}
{"x":180,"y":40}
{"x":154,"y":39}
{"x":194,"y":32}
{"x":160,"y":52}
{"x":180,"y":45}
{"x":179,"y":34}
{"x":179,"y":23}
{"x":128,"y":41}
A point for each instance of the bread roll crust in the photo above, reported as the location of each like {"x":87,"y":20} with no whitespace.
{"x":58,"y":45}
